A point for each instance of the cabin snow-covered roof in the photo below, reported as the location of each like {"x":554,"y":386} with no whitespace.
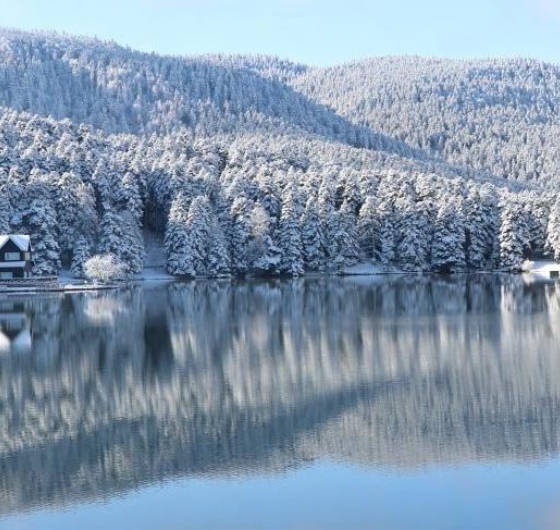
{"x":23,"y":242}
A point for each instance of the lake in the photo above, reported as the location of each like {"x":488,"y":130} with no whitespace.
{"x":383,"y":403}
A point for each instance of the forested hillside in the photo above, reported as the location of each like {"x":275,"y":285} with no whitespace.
{"x":502,"y":116}
{"x":252,"y":165}
{"x":122,"y":91}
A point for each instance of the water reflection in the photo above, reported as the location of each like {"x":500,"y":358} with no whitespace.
{"x":123,"y":389}
{"x":15,"y":327}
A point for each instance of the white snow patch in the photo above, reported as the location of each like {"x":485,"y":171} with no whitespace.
{"x":542,"y":270}
{"x":368,"y":269}
{"x":154,"y":274}
{"x":66,"y":277}
{"x":154,"y":249}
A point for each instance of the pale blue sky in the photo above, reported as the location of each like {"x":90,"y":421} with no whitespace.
{"x":311,"y":31}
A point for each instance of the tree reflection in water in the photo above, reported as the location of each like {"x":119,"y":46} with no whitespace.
{"x":121,"y":389}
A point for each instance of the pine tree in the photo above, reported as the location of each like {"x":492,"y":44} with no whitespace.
{"x":537,"y":211}
{"x":81,"y":253}
{"x":553,"y":230}
{"x":5,"y":213}
{"x":348,"y":234}
{"x":481,"y":228}
{"x":412,"y":248}
{"x":448,"y":244}
{"x":121,"y":236}
{"x":368,"y":228}
{"x":40,"y":222}
{"x":514,"y":235}
{"x":329,"y":226}
{"x":177,"y":242}
{"x":312,"y":238}
{"x":129,"y":198}
{"x":262,"y":254}
{"x":218,"y":260}
{"x":198,"y":229}
{"x":240,"y":233}
{"x":290,"y":236}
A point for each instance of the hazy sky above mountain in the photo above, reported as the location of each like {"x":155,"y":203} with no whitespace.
{"x":311,"y":31}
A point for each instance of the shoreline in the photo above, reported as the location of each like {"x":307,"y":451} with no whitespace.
{"x":538,"y":270}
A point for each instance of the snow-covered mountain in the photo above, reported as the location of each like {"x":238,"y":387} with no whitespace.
{"x":499,"y":115}
{"x":119,"y":90}
{"x":257,"y":165}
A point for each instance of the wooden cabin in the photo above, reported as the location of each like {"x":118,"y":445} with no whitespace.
{"x":16,"y":258}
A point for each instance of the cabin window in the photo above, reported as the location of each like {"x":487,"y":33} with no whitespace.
{"x":554,"y":274}
{"x":12,"y":256}
{"x":27,"y":256}
{"x":6,"y":275}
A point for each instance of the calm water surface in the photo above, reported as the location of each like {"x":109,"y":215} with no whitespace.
{"x":407,"y":403}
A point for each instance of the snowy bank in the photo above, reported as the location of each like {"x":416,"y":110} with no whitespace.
{"x":369,"y":269}
{"x":150,"y":274}
{"x":542,"y":270}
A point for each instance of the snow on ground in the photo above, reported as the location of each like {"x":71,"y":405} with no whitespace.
{"x":154,"y":267}
{"x":65,"y":277}
{"x":541,"y":270}
{"x":368,"y":269}
{"x":155,"y":261}
{"x":155,"y":254}
{"x":153,"y":274}
{"x":368,"y":273}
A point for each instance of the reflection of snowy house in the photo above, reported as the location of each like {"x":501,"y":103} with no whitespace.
{"x":15,"y":329}
{"x":15,"y":257}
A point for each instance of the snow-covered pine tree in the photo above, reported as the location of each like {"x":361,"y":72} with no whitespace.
{"x":448,"y":243}
{"x":348,"y":235}
{"x":553,"y":230}
{"x":81,"y":253}
{"x":132,"y":254}
{"x":77,"y":217}
{"x":514,"y":235}
{"x":121,"y":236}
{"x":537,"y":211}
{"x":177,"y":241}
{"x":389,"y":220}
{"x":412,"y":248}
{"x":481,"y":227}
{"x":218,"y":260}
{"x":368,"y":228}
{"x":39,"y":220}
{"x":240,"y":234}
{"x":351,"y":196}
{"x":329,"y":225}
{"x":312,"y":238}
{"x":290,"y":234}
{"x":5,"y":213}
{"x":262,"y":254}
{"x":198,"y":227}
{"x":128,"y":197}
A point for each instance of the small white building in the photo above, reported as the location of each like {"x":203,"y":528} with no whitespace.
{"x":542,"y":270}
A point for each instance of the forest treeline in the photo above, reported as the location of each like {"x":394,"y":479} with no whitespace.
{"x":252,"y":165}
